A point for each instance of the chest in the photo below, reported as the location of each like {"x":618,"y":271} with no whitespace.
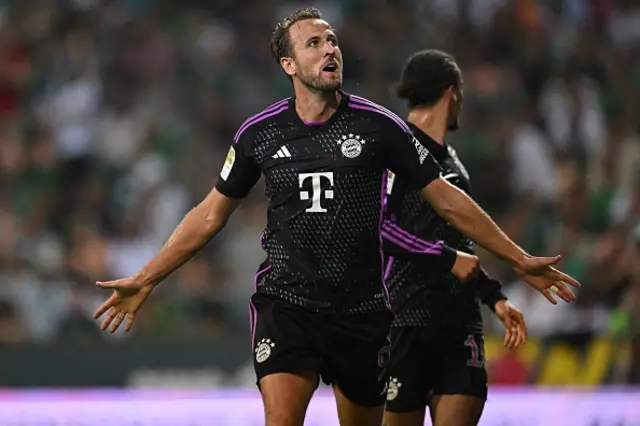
{"x":310,"y":167}
{"x":287,"y":152}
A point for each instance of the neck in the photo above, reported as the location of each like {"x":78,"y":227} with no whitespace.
{"x":315,"y":106}
{"x":431,"y":121}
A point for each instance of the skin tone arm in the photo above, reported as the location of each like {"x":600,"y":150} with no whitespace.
{"x":197,"y":228}
{"x":464,"y":214}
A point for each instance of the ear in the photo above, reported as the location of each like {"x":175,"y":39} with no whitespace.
{"x":289,"y":66}
{"x":452,"y":94}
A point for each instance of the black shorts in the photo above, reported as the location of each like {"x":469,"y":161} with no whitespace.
{"x":348,"y":351}
{"x":424,"y":363}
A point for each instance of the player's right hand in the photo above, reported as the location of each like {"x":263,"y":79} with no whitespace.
{"x":466,"y":266}
{"x":128,"y":296}
{"x":540,"y":274}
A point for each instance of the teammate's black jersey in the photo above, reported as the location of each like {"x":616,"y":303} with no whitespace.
{"x":326,"y":186}
{"x":423,"y":291}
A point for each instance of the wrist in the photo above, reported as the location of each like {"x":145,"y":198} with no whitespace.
{"x":519,"y":260}
{"x":448,"y":258}
{"x":146,"y":279}
{"x":495,"y":299}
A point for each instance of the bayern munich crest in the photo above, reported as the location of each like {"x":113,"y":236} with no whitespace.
{"x":394,"y":388}
{"x":351,"y":145}
{"x":263,"y":350}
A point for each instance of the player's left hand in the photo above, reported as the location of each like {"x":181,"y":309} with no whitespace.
{"x":513,"y":320}
{"x":540,"y":274}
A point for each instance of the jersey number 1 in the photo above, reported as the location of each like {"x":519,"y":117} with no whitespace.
{"x":476,"y":355}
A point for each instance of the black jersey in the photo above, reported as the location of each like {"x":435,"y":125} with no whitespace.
{"x":326,"y":187}
{"x":423,"y":291}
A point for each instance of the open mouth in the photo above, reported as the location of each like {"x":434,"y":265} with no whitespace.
{"x":331,"y":67}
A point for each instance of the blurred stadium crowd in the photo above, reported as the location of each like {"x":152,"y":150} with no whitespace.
{"x":115,"y":117}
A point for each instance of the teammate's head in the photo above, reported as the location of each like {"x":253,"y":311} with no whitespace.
{"x":306,"y":48}
{"x":429,"y":78}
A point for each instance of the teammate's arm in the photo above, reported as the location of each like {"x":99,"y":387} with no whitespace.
{"x":489,"y":290}
{"x":490,"y":293}
{"x":239,"y":174}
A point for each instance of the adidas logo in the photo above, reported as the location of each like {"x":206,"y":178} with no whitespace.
{"x":283,"y":152}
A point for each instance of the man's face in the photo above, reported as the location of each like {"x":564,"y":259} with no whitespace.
{"x":316,"y":58}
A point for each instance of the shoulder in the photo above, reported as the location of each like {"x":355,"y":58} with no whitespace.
{"x":452,"y":151}
{"x":453,"y":154}
{"x":261,"y":119}
{"x":379,"y":113}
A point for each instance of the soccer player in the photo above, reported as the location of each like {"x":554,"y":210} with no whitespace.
{"x":436,"y":336}
{"x":320,"y":309}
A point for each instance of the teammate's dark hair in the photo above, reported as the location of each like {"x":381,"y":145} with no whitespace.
{"x":426,"y":76}
{"x":280,"y":40}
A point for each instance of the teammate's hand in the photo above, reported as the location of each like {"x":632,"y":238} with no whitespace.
{"x":514,"y":324}
{"x":466,"y":266}
{"x":540,"y":273}
{"x":128,"y":296}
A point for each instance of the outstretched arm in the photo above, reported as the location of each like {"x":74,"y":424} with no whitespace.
{"x":411,"y":160}
{"x":455,"y":206}
{"x":197,"y":228}
{"x":239,"y":174}
{"x":464,"y":214}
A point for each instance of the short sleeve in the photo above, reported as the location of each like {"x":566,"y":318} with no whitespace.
{"x":408,"y":158}
{"x":240,"y":172}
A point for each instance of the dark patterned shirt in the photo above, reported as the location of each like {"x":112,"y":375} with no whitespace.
{"x":423,"y":291}
{"x":326,"y":187}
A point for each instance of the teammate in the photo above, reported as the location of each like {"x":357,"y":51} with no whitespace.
{"x":320,"y":309}
{"x":436,"y":336}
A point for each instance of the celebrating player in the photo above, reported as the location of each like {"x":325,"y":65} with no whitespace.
{"x":436,"y":336}
{"x":320,"y":308}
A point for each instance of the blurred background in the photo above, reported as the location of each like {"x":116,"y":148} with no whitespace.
{"x":116,"y":115}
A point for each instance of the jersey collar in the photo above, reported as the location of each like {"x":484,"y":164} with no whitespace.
{"x":344,"y":101}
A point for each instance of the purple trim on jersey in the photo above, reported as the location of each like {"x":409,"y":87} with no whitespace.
{"x":314,"y":123}
{"x":373,"y":109}
{"x":252,"y":318}
{"x":383,"y":208}
{"x":409,"y":238}
{"x":387,"y":271}
{"x":253,"y":312}
{"x":267,"y":109}
{"x":356,"y":100}
{"x":266,"y":113}
{"x":259,"y":275}
{"x":408,"y":246}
